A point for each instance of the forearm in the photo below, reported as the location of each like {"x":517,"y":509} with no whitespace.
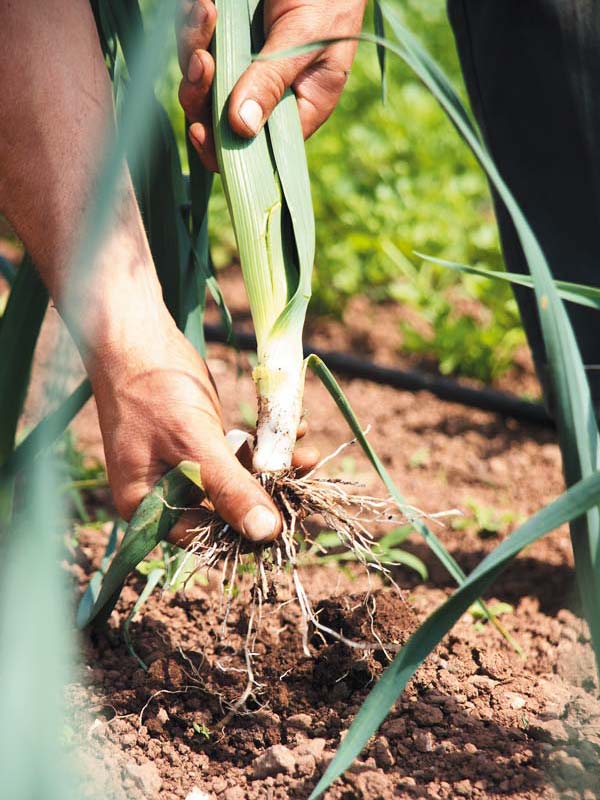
{"x":55,"y":113}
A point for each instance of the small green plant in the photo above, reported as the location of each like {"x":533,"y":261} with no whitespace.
{"x":484,"y":520}
{"x":326,"y":550}
{"x":178,"y":568}
{"x":80,"y":473}
{"x":202,"y":730}
{"x":420,"y":459}
{"x":466,"y":345}
{"x":497,"y":609}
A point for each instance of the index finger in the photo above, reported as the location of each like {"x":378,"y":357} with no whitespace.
{"x":195,"y":26}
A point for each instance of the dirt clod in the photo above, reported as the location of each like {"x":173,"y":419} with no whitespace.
{"x":147,"y":777}
{"x":301,"y":721}
{"x":427,"y":715}
{"x":234,"y":793}
{"x":277,"y":759}
{"x":394,"y":728}
{"x":383,"y":755}
{"x":312,"y":747}
{"x":424,"y":741}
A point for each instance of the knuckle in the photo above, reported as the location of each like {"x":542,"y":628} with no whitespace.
{"x":126,"y":500}
{"x":335,"y":76}
{"x":221,"y":495}
{"x":273,"y":83}
{"x":211,"y":14}
{"x":188,"y":100}
{"x":226,"y":492}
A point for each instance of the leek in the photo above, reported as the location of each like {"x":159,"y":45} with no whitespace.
{"x":268,"y":193}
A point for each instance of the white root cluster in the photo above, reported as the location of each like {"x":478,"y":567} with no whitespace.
{"x":340,"y":509}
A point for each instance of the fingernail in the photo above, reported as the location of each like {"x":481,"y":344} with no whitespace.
{"x":259,"y":524}
{"x":197,"y":16}
{"x":251,"y":115}
{"x":196,"y":139}
{"x":195,"y":69}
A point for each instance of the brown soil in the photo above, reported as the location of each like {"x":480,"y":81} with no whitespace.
{"x":476,"y":721}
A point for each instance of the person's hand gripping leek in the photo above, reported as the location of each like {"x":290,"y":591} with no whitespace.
{"x":158,"y":405}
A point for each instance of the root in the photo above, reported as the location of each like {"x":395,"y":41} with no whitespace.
{"x":342,"y":510}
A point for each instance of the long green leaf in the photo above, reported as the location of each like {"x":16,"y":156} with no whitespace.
{"x":247,"y":195}
{"x":289,"y":154}
{"x":272,"y":192}
{"x":572,"y":292}
{"x":200,"y":275}
{"x":316,"y":365}
{"x":287,"y":144}
{"x":572,"y":504}
{"x":46,"y":432}
{"x":379,"y":27}
{"x":151,"y":523}
{"x":36,"y":645}
{"x":90,"y":595}
{"x":161,"y":195}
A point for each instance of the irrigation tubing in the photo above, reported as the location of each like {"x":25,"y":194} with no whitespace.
{"x":503,"y":403}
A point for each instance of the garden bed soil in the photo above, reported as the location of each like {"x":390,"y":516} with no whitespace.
{"x":477,"y":720}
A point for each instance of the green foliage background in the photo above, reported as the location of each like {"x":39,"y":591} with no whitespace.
{"x":389,"y":180}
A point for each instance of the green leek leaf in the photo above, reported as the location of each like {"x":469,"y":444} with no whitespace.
{"x":572,"y":292}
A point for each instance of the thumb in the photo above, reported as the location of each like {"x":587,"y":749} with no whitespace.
{"x":263,"y":84}
{"x":237,"y":496}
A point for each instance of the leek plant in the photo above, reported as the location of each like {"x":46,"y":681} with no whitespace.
{"x":268,"y":192}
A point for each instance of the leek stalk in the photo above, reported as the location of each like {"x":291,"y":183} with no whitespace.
{"x":268,"y":193}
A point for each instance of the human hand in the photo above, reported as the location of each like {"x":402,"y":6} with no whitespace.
{"x":317,"y":78}
{"x":158,"y":406}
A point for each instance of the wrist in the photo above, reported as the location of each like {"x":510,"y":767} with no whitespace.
{"x":114,"y":303}
{"x":117,"y":305}
{"x":115,"y":318}
{"x":123,"y":336}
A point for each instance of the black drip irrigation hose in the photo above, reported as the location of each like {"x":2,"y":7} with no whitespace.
{"x":503,"y":403}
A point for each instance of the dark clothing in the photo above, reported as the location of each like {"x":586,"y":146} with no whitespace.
{"x":532,"y":70}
